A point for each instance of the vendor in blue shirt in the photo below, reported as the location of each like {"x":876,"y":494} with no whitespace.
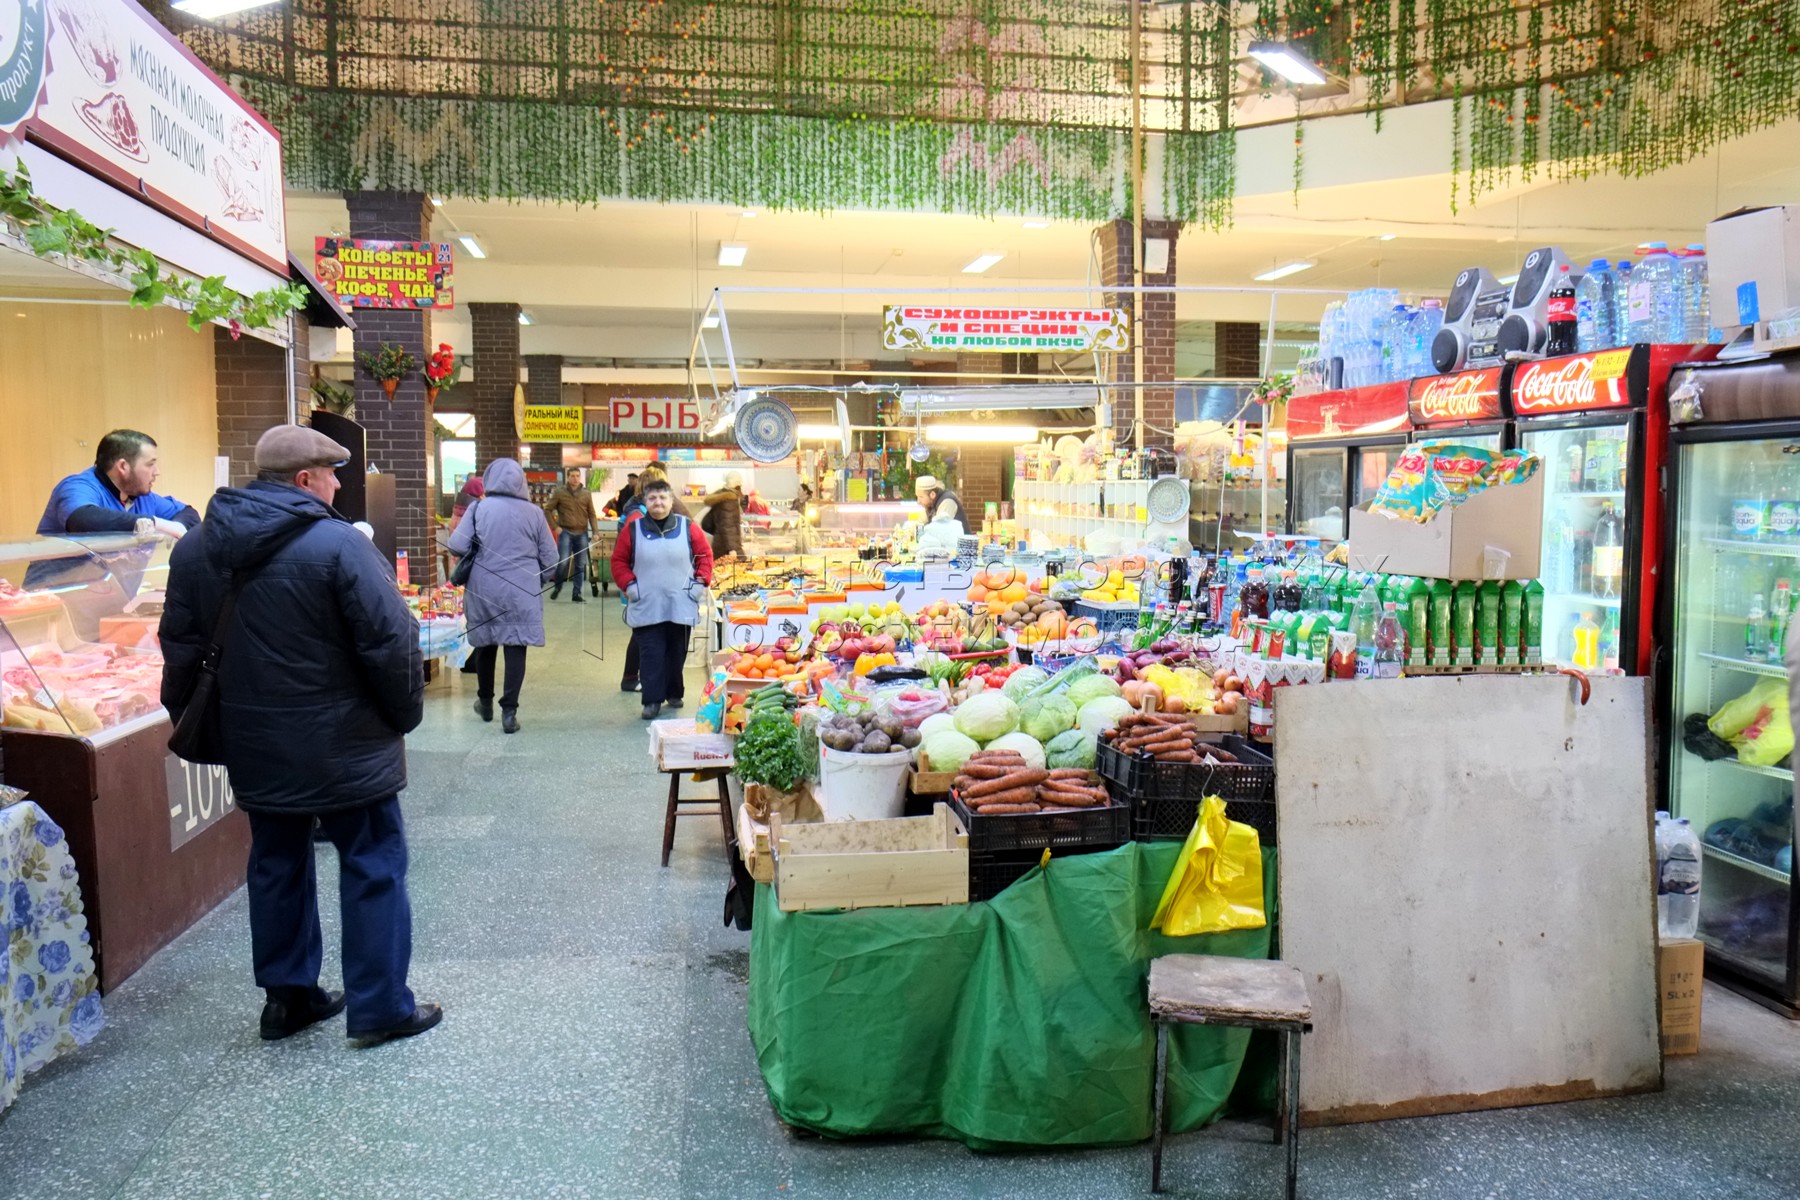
{"x":113,"y":497}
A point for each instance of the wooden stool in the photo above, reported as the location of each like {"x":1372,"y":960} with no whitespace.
{"x":697,"y":806}
{"x":1200,"y":989}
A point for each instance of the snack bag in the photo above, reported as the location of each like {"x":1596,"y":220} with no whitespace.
{"x":1432,"y":476}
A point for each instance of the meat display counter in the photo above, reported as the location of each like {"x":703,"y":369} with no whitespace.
{"x":158,"y":842}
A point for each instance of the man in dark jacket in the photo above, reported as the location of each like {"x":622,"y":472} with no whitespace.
{"x":571,"y":510}
{"x":319,"y":680}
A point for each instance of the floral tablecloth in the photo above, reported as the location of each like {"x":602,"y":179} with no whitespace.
{"x":49,"y":993}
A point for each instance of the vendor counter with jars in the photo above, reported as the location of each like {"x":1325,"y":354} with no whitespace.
{"x":157,"y":842}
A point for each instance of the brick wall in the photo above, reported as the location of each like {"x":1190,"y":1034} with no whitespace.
{"x":494,"y":331}
{"x":253,"y":394}
{"x":1237,"y":350}
{"x":1155,"y":336}
{"x":398,"y":430}
{"x":543,"y":385}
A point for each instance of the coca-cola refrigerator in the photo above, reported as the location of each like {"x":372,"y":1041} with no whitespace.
{"x":1590,"y":417}
{"x":1341,"y":446}
{"x":1467,"y":407}
{"x":1728,"y":601}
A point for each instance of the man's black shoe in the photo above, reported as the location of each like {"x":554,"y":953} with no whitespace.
{"x":651,"y":711}
{"x":424,"y":1016}
{"x":484,"y":709}
{"x":675,"y":703}
{"x":285,"y":1018}
{"x":509,"y":720}
{"x":556,"y":591}
{"x":629,"y":685}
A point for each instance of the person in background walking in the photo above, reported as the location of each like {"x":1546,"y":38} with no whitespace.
{"x":664,"y":566}
{"x":504,"y":604}
{"x":571,"y":509}
{"x":725,"y":517}
{"x":626,"y":494}
{"x":319,"y":681}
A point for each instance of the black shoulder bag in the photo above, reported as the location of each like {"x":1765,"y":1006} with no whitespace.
{"x":465,"y":566}
{"x":196,"y":737}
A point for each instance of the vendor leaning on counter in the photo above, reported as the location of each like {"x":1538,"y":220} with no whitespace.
{"x":940,"y":502}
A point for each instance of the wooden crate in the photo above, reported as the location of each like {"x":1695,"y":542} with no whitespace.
{"x":753,"y":845}
{"x":679,"y":745}
{"x":871,"y":864}
{"x":927,"y":782}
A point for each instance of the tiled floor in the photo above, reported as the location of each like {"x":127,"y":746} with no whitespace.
{"x":594,"y":1042}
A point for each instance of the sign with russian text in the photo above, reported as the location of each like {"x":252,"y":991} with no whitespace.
{"x":638,"y":416}
{"x":1580,"y":383}
{"x":376,"y":274}
{"x":921,"y":327}
{"x":103,"y":84}
{"x":551,"y":423}
{"x":1466,"y":396}
{"x":1348,"y":412}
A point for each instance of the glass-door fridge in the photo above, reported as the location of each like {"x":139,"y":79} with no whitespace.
{"x":1602,"y":441}
{"x":1467,"y":407}
{"x":1341,"y":446}
{"x":1734,"y":497}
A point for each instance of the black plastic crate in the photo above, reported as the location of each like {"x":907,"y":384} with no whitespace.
{"x":1107,"y":618}
{"x":1135,"y":777}
{"x":1102,"y":827}
{"x":992,"y":873}
{"x":1167,"y":819}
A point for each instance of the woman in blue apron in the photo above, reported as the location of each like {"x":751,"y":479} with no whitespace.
{"x":663,"y":564}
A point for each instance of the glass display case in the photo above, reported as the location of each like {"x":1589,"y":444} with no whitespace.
{"x":78,"y":620}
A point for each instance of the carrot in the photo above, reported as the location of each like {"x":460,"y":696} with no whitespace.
{"x":1018,"y":795}
{"x":1026,"y":777}
{"x":994,"y":810}
{"x":1081,"y":773}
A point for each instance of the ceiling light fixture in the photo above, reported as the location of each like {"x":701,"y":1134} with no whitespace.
{"x":1037,"y":224}
{"x":525,"y":318}
{"x":748,"y":212}
{"x":952,"y":434}
{"x":206,"y":10}
{"x":471,"y":245}
{"x":1283,"y":271}
{"x":1287,"y":62}
{"x":816,"y":433}
{"x":709,"y":322}
{"x":982,"y":263}
{"x":1387,"y":237}
{"x":437,"y":202}
{"x":731,"y":255}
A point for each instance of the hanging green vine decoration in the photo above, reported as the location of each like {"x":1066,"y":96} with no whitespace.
{"x":65,"y":233}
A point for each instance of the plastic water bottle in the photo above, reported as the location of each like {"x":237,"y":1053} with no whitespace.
{"x":1622,"y":303}
{"x":1390,"y":645}
{"x":1756,"y":631}
{"x":1594,"y":308}
{"x":1363,"y":619}
{"x":1654,"y":305}
{"x":1664,"y":823}
{"x":1678,"y":884}
{"x":1696,"y":296}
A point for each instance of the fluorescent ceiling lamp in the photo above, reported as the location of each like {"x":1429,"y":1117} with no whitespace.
{"x":748,"y":212}
{"x":206,"y":10}
{"x":1387,"y":237}
{"x":437,"y":202}
{"x":1509,"y":280}
{"x":1037,"y":224}
{"x":471,"y":245}
{"x":732,"y":255}
{"x":983,"y":263}
{"x":1287,"y":62}
{"x":524,"y":318}
{"x":709,"y":323}
{"x":817,"y":433}
{"x":1283,"y":271}
{"x":937,"y":434}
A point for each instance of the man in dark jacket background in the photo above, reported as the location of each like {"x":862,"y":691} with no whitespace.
{"x":319,"y":681}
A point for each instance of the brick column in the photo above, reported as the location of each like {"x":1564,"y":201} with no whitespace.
{"x":1237,"y":350}
{"x":543,"y":385}
{"x":398,"y":429}
{"x":1155,"y":335}
{"x":494,"y":330}
{"x":252,"y":393}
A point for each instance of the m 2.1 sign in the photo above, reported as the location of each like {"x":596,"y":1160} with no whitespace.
{"x":1467,"y":396}
{"x":638,"y":416}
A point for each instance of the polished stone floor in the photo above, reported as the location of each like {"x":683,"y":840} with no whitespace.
{"x":594,"y":1042}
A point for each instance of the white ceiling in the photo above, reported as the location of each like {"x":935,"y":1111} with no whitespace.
{"x":626,"y":280}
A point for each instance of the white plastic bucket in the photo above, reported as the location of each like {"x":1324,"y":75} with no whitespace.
{"x":862,"y":787}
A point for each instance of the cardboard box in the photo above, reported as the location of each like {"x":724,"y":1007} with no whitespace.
{"x":1680,"y":967}
{"x":1753,"y":265}
{"x":1455,"y":544}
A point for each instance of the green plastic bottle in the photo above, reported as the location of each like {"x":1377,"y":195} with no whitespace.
{"x":1463,"y":623}
{"x":1534,"y":622}
{"x":1512,"y":618}
{"x":1443,"y":636}
{"x":1416,"y":610}
{"x":1487,"y":623}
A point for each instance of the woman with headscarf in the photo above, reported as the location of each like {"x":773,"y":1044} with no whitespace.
{"x":503,"y":603}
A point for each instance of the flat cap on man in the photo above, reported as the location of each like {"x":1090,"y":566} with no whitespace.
{"x":295,"y":447}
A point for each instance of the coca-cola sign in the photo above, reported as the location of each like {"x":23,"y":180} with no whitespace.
{"x":1575,"y":384}
{"x":1465,"y":396}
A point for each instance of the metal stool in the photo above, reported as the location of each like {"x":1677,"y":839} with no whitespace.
{"x":1200,"y":989}
{"x":698,"y":806}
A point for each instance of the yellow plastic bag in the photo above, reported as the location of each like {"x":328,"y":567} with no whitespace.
{"x":1217,"y":883}
{"x":1757,"y":724}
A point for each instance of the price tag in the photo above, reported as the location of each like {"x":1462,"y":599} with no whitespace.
{"x":1610,"y":364}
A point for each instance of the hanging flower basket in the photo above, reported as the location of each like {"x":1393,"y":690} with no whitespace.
{"x":388,"y":366}
{"x":390,"y":386}
{"x":431,"y":394}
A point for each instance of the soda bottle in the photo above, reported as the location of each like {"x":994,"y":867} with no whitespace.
{"x":1594,"y":308}
{"x":1487,"y":623}
{"x":1390,"y":645}
{"x":1587,"y":644}
{"x":1363,"y":621}
{"x":1287,"y":594}
{"x":1417,"y":621}
{"x":1563,"y":337}
{"x":1583,"y":561}
{"x":1255,"y":596}
{"x":1609,"y":552}
{"x":1462,"y":622}
{"x":1678,"y":883}
{"x":1756,"y":637}
{"x":1534,"y":622}
{"x":1599,"y":470}
{"x":1609,"y":641}
{"x":1443,"y":638}
{"x":1512,"y":621}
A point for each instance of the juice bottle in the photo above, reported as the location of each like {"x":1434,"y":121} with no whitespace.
{"x":1255,"y":596}
{"x":1586,"y":656}
{"x":1287,"y":593}
{"x":1462,"y":623}
{"x":1534,"y":622}
{"x":1417,"y":620}
{"x":1487,"y":623}
{"x":1512,"y":616}
{"x":1443,"y":638}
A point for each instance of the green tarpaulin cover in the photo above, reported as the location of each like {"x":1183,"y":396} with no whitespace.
{"x":1021,"y":1020}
